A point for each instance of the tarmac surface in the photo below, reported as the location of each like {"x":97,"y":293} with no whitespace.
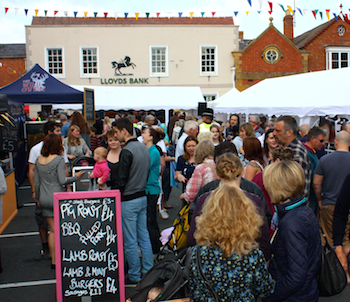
{"x":27,"y":277}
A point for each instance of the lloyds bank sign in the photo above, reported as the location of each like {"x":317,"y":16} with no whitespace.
{"x":125,"y":63}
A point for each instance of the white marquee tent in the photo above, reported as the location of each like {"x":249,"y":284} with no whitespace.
{"x":304,"y":95}
{"x":142,"y":98}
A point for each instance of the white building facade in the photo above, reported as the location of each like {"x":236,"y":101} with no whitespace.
{"x":129,"y":52}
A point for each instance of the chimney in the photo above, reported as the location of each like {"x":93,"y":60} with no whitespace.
{"x":288,"y":26}
{"x":240,"y":36}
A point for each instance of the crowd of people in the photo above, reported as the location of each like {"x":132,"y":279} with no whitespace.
{"x":259,"y":192}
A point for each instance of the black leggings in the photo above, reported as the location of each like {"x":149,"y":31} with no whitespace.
{"x":152,"y":224}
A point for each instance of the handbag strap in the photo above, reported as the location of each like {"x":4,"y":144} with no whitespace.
{"x":201,"y":274}
{"x":325,"y":238}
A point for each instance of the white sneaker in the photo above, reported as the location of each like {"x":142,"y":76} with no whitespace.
{"x":163,"y":214}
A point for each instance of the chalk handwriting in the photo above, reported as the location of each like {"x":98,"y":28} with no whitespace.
{"x":67,"y":209}
{"x":70,"y":229}
{"x":73,"y":271}
{"x":112,"y":261}
{"x":110,"y":237}
{"x":110,"y":285}
{"x":78,"y":293}
{"x":84,"y":212}
{"x":107,"y":213}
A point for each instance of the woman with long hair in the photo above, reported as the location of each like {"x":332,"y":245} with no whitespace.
{"x":204,"y":171}
{"x":75,"y":145}
{"x":270,"y":144}
{"x":227,"y":250}
{"x":78,"y":119}
{"x":254,"y":154}
{"x":215,"y":129}
{"x":186,"y":163}
{"x":107,"y":125}
{"x":150,"y":138}
{"x":245,"y":130}
{"x":50,"y":177}
{"x":296,"y":243}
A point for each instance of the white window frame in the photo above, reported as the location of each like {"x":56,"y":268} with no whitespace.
{"x":56,"y":75}
{"x":89,"y":75}
{"x":216,"y":65}
{"x":339,"y":50}
{"x":159,"y":74}
{"x":216,"y":94}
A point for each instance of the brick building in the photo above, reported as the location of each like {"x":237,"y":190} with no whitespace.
{"x":12,"y":56}
{"x":270,"y":55}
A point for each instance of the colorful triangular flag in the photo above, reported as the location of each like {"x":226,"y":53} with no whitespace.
{"x":259,"y":11}
{"x":158,"y":15}
{"x":299,"y":11}
{"x":191,"y":15}
{"x":6,"y":10}
{"x":36,"y":12}
{"x":314,"y":12}
{"x":126,"y":15}
{"x":75,"y":14}
{"x":236,"y":13}
{"x":282,"y":7}
{"x":137,"y":15}
{"x":26,"y":11}
{"x":202,"y":13}
{"x":321,"y":14}
{"x":106,"y":14}
{"x":85,"y":14}
{"x":327,"y":13}
{"x":260,"y":3}
{"x":95,"y":14}
{"x":250,"y":2}
{"x":55,"y":12}
{"x":335,"y":16}
{"x":213,"y":14}
{"x":270,"y":4}
{"x":247,"y":12}
{"x":180,"y":14}
{"x":290,"y":9}
{"x":45,"y":12}
{"x":147,"y":15}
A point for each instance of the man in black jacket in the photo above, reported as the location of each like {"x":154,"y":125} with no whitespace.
{"x":132,"y":177}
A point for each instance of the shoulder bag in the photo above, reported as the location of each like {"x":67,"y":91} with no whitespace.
{"x":331,"y":278}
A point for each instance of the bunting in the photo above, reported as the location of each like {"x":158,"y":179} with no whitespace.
{"x":36,"y":12}
{"x":247,"y":12}
{"x":95,"y":14}
{"x":260,"y":4}
{"x":106,"y":14}
{"x":85,"y":14}
{"x":9,"y":68}
{"x":55,"y":13}
{"x":6,"y":10}
{"x":26,"y":12}
{"x":282,"y":7}
{"x":180,"y":14}
{"x":137,"y":16}
{"x":259,"y":11}
{"x":45,"y":12}
{"x":202,"y":13}
{"x":314,"y":12}
{"x":126,"y":15}
{"x":250,"y":2}
{"x":213,"y":14}
{"x":327,"y":13}
{"x":270,"y":5}
{"x":158,"y":15}
{"x":147,"y":15}
{"x":299,"y":11}
{"x":335,"y":16}
{"x":75,"y":14}
{"x":191,"y":15}
{"x":290,"y":9}
{"x":321,"y":14}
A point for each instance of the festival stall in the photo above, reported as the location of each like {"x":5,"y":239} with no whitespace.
{"x":304,"y":95}
{"x":142,"y":98}
{"x":35,"y":87}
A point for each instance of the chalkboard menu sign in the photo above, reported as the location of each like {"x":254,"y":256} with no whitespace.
{"x":8,"y":135}
{"x":89,"y":105}
{"x":88,"y":245}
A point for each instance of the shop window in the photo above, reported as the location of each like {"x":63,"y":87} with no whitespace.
{"x":337,"y":57}
{"x":208,"y":60}
{"x":210,"y":97}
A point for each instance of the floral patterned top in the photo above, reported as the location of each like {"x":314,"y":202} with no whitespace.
{"x":234,"y":279}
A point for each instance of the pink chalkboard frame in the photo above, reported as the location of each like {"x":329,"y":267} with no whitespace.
{"x":86,"y":195}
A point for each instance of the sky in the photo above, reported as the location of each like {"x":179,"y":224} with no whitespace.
{"x":12,"y":24}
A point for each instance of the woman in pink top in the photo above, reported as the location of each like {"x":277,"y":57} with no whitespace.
{"x":204,"y":171}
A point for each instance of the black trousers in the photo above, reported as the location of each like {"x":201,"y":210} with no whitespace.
{"x":152,"y":223}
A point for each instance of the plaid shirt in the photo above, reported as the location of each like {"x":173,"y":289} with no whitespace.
{"x":201,"y":176}
{"x":301,"y":157}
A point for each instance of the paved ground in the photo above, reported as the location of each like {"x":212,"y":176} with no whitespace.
{"x":27,"y":277}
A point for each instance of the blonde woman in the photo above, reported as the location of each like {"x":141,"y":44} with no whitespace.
{"x":204,"y":171}
{"x":296,"y":245}
{"x":107,"y":125}
{"x":227,"y":251}
{"x":75,"y":145}
{"x":215,"y":129}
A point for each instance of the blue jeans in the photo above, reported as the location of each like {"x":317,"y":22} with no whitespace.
{"x":135,"y":236}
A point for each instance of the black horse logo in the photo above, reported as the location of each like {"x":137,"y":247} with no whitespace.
{"x":123,"y":63}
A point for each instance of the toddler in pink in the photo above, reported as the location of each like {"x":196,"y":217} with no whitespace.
{"x":101,"y":170}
